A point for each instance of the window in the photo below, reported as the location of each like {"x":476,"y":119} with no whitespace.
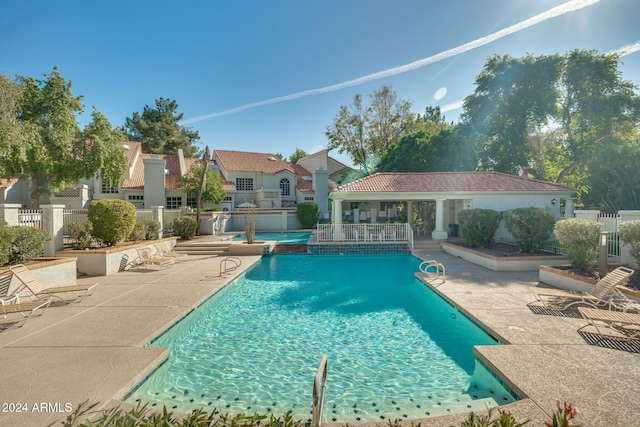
{"x":107,"y":188}
{"x":174,"y":202}
{"x":227,"y":198}
{"x":308,"y":198}
{"x":285,"y":187}
{"x":134,"y":197}
{"x":192,"y":202}
{"x":244,"y":184}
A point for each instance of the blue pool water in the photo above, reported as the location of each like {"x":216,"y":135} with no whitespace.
{"x":285,"y":237}
{"x":395,"y":348}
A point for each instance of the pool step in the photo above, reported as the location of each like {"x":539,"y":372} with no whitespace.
{"x":429,"y":246}
{"x":202,"y":248}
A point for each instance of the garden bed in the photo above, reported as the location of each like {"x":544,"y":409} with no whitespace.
{"x":52,"y":272}
{"x":566,"y":277}
{"x":111,"y":259}
{"x":502,"y":257}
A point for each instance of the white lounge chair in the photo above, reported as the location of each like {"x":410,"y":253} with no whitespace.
{"x":145,"y":258}
{"x":18,"y":313}
{"x":5,"y":283}
{"x":162,"y":251}
{"x":628,"y":324}
{"x":35,"y":290}
{"x":603,"y":293}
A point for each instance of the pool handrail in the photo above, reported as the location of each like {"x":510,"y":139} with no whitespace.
{"x":319,"y":387}
{"x":236,"y":262}
{"x":439,"y":274}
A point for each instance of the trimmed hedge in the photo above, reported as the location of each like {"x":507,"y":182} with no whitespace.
{"x":26,"y":244}
{"x":112,"y":220}
{"x":185,"y":227}
{"x":530,"y":227}
{"x":308,"y":214}
{"x":579,"y":238}
{"x":478,"y":226}
{"x":630,"y":234}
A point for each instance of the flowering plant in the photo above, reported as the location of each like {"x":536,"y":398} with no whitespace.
{"x":563,"y":415}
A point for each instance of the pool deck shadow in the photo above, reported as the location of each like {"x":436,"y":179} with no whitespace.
{"x":95,"y":349}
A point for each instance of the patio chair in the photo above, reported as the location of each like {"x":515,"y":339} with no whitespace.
{"x":145,"y":258}
{"x":628,"y":324}
{"x":603,"y":293}
{"x":5,"y":297}
{"x":19,"y":313}
{"x":162,"y":251}
{"x":35,"y":290}
{"x":390,"y":233}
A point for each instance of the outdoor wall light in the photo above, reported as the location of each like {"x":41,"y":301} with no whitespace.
{"x":554,"y":201}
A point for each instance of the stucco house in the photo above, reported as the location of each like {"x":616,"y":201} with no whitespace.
{"x":261,"y":179}
{"x":452,"y":192}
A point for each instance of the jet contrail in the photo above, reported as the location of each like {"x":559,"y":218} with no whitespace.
{"x":627,"y":50}
{"x":570,"y":6}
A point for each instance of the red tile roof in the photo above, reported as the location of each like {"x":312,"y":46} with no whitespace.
{"x":434,"y":182}
{"x":302,"y":184}
{"x":253,"y":162}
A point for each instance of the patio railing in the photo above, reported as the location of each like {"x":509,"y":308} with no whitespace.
{"x":365,"y":233}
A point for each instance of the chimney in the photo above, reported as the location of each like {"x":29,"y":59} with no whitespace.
{"x":525,"y":172}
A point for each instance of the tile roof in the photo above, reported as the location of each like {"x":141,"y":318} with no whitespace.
{"x":435,"y":182}
{"x":253,"y":162}
{"x":9,"y":182}
{"x":302,"y":184}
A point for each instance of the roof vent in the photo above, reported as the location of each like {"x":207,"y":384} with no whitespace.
{"x":271,"y":159}
{"x":125,"y":146}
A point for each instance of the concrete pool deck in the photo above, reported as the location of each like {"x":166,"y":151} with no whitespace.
{"x":95,"y":349}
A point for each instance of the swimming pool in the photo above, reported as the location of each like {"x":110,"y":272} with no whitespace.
{"x":284,"y":237}
{"x":395,"y":348}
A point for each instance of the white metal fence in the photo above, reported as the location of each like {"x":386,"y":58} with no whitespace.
{"x":365,"y":233}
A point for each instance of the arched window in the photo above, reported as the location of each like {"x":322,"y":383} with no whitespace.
{"x":285,"y":187}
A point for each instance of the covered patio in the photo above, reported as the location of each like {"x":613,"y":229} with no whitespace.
{"x":392,"y":199}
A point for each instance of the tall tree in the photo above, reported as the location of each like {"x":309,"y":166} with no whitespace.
{"x":159,"y":131}
{"x":597,"y":106}
{"x":511,"y":96}
{"x":446,"y":150}
{"x":364,"y":134}
{"x":212,"y":191}
{"x":297,"y":155}
{"x":14,"y":133}
{"x":59,"y":154}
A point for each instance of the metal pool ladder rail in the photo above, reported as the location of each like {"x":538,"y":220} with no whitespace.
{"x":433,"y":270}
{"x":229,"y":263}
{"x":319,"y":386}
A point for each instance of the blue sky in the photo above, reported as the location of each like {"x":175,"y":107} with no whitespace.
{"x":270,"y":76}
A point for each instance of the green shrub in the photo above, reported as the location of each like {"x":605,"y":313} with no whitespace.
{"x":138,"y":233}
{"x":579,"y":239}
{"x":185,"y":227}
{"x":112,"y":219}
{"x":630,"y":235}
{"x":530,"y":227}
{"x":152,"y":229}
{"x":478,"y":226}
{"x":6,"y":237}
{"x":27,"y":244}
{"x":80,"y":232}
{"x":308,"y":213}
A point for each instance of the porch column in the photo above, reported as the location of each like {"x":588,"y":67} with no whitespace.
{"x":337,"y":220}
{"x":410,"y":212}
{"x":439,"y":233}
{"x":568,"y":207}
